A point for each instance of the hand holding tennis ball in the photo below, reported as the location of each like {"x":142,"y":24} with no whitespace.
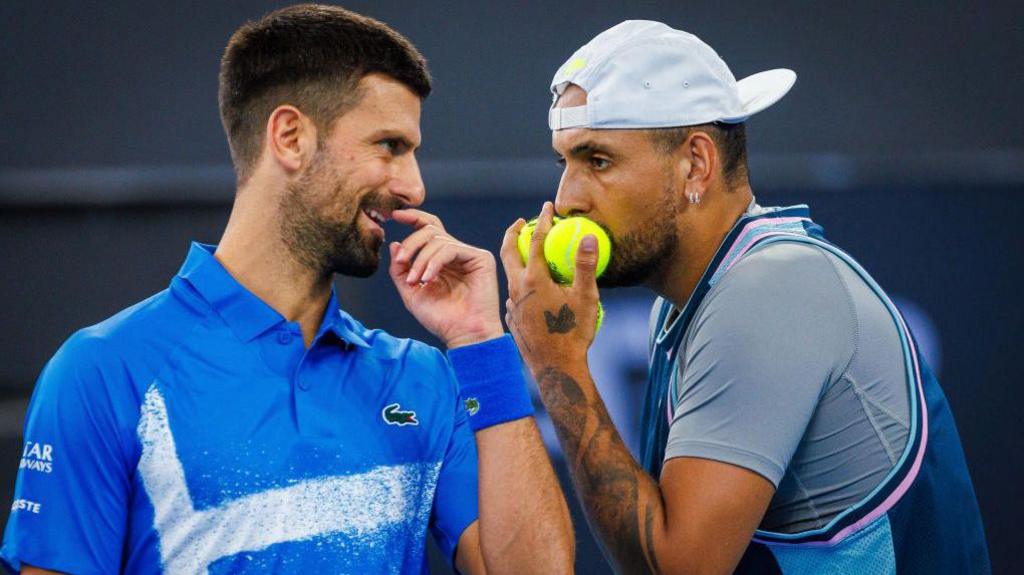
{"x":561,"y":244}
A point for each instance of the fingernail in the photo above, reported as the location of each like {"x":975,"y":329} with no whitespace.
{"x":401,"y":255}
{"x":588,"y":244}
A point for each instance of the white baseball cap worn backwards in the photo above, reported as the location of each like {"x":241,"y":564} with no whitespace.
{"x":643,"y":74}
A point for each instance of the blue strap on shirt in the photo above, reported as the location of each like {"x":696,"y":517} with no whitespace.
{"x":491,"y":382}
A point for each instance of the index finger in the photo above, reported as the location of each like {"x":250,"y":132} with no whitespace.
{"x":511,"y":260}
{"x":416,"y":218}
{"x":538,"y":264}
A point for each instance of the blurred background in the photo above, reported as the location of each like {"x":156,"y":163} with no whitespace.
{"x":904,"y":133}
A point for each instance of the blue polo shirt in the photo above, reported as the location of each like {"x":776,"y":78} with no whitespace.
{"x":195,"y":433}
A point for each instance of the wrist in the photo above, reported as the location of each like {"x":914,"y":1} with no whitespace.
{"x":475,"y":335}
{"x":572,"y":364}
{"x":491,"y":382}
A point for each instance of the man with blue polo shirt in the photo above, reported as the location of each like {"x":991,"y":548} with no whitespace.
{"x":239,"y":421}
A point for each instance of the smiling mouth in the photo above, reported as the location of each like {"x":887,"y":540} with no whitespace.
{"x":378,"y":217}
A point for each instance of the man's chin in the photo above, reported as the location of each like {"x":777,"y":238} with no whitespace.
{"x":361,"y":265}
{"x":357,"y":270}
{"x":612,"y":283}
{"x":629,"y":277}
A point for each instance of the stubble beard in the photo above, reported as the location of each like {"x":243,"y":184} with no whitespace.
{"x":323,"y":242}
{"x":641,"y":255}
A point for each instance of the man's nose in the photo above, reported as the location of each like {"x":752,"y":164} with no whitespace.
{"x":407,"y":183}
{"x":571,"y":197}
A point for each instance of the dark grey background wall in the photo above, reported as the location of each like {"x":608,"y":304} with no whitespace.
{"x":904,"y":133}
{"x":134,"y":83}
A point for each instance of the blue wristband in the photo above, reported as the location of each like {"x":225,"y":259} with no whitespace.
{"x":491,"y":382}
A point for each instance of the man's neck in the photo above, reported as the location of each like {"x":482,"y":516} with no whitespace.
{"x":699,"y":240}
{"x":252,"y":252}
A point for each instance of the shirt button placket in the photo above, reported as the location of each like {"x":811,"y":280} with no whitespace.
{"x":301,"y":380}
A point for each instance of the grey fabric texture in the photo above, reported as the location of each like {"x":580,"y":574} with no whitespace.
{"x":792,"y":368}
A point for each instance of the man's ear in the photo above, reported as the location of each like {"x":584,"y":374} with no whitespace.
{"x":703,"y":162}
{"x":291,"y":138}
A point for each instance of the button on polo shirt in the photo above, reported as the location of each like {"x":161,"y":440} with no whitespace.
{"x":195,"y":433}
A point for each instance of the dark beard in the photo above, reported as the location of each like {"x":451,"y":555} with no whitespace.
{"x":638,"y":256}
{"x":325,"y":245}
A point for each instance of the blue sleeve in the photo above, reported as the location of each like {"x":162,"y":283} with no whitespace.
{"x":70,"y":501}
{"x":455,"y":501}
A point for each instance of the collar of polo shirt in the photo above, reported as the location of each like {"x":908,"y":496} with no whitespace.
{"x":247,"y":315}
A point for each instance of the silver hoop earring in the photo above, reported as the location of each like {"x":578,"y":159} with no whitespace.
{"x":694,"y":198}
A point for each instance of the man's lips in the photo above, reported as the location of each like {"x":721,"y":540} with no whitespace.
{"x":377,"y":218}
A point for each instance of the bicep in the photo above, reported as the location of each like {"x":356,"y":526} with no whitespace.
{"x":71,"y":493}
{"x":469,"y":560}
{"x":711,"y":510}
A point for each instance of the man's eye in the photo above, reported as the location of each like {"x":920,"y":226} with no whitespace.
{"x":391,"y":145}
{"x":598,"y":163}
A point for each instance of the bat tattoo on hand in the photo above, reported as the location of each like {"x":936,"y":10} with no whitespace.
{"x":564,"y":322}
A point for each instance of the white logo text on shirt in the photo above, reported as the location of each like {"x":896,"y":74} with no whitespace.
{"x":37,"y":457}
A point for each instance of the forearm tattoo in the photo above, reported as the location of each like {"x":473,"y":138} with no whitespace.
{"x":608,"y":480}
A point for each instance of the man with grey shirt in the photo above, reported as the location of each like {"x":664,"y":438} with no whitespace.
{"x":790,"y":425}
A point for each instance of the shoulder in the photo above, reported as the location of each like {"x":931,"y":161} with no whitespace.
{"x":782,"y":259}
{"x":405,"y":356}
{"x":781,"y":298}
{"x":129,"y":344}
{"x":783,"y":272}
{"x":390,"y":347}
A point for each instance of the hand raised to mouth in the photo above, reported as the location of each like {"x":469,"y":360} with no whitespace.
{"x":450,"y":287}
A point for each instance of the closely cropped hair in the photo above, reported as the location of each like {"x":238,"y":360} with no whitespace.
{"x":731,"y":140}
{"x":310,"y":56}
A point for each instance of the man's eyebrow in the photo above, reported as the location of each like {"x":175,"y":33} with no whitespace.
{"x":583,"y":149}
{"x":586,"y":148}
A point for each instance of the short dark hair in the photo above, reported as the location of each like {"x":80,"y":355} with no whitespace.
{"x":731,"y":140}
{"x":311,"y":56}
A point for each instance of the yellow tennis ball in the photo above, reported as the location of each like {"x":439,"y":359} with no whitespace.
{"x":526,"y":234}
{"x":562,"y":243}
{"x":567,"y":242}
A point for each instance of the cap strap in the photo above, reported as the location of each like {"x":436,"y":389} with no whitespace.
{"x":564,"y":118}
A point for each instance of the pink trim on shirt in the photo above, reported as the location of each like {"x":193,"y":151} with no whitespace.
{"x":904,"y":485}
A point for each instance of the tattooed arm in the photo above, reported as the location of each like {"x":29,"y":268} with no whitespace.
{"x":699,"y":516}
{"x":698,"y":520}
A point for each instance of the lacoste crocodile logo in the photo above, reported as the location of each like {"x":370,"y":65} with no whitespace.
{"x":393,"y":415}
{"x":472,"y":405}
